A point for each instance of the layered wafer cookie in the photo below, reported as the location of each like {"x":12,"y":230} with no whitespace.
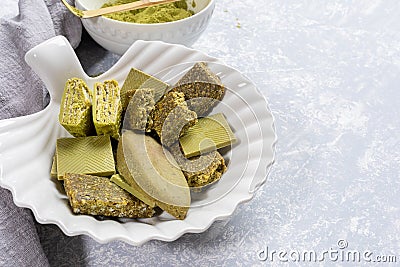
{"x":76,"y":108}
{"x":107,"y":108}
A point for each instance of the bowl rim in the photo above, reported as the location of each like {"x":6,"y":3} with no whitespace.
{"x":211,"y":4}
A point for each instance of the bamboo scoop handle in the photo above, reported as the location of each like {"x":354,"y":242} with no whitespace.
{"x":112,"y":9}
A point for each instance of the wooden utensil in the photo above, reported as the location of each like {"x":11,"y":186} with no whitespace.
{"x":112,"y":9}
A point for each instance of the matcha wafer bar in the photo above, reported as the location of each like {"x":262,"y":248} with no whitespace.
{"x":76,"y":108}
{"x":107,"y":108}
{"x":94,"y":195}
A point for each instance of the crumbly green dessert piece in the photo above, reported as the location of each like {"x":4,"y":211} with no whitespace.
{"x":208,"y":134}
{"x":76,"y":108}
{"x":171,"y":118}
{"x":94,"y":195}
{"x":153,"y":172}
{"x":137,"y":79}
{"x":85,"y":155}
{"x":139,"y":108}
{"x":127,"y":98}
{"x":202,"y":88}
{"x":212,"y":173}
{"x":107,"y":108}
{"x":53,"y":171}
{"x":155,"y":14}
{"x":120,"y":181}
{"x":201,"y":170}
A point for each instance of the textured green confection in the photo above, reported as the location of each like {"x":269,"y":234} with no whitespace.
{"x":138,"y":110}
{"x":76,"y":108}
{"x":148,"y":168}
{"x":137,"y":79}
{"x":125,"y":100}
{"x":53,"y":171}
{"x":95,"y":195}
{"x":85,"y":155}
{"x":120,"y":181}
{"x":201,"y":87}
{"x":200,"y":171}
{"x":171,"y":118}
{"x":107,"y":108}
{"x":208,"y":134}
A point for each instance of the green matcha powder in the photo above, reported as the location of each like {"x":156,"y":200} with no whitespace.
{"x":156,"y":14}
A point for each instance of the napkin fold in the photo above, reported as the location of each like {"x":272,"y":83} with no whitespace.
{"x":23,"y":93}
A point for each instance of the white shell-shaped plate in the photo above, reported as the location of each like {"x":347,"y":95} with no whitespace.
{"x":27,"y":144}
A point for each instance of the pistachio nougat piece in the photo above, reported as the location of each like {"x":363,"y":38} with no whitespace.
{"x":138,"y":111}
{"x":213,"y":172}
{"x":94,"y":195}
{"x":171,"y":118}
{"x":76,"y":108}
{"x":138,"y":79}
{"x":202,"y":88}
{"x":107,"y":108}
{"x":200,"y":170}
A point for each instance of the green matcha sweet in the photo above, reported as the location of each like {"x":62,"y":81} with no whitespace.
{"x":76,"y":108}
{"x":208,"y":134}
{"x":120,"y":181}
{"x":85,"y":155}
{"x":152,"y":171}
{"x":137,"y":79}
{"x":107,"y":108}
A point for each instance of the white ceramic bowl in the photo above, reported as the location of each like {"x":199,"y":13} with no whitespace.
{"x":28,"y":144}
{"x":117,"y":36}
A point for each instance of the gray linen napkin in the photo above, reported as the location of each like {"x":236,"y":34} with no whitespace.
{"x":22,"y":93}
